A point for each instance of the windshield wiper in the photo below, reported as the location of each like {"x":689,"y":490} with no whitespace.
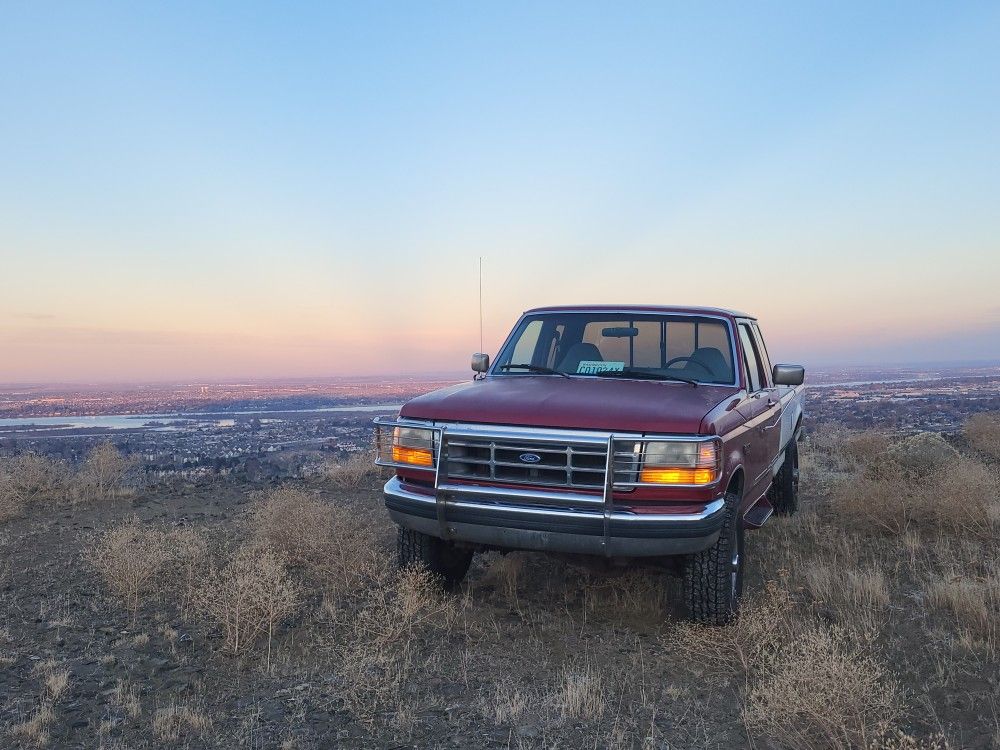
{"x":534,"y":368}
{"x":631,"y":372}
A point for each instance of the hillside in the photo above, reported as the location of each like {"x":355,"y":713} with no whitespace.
{"x":226,"y":615}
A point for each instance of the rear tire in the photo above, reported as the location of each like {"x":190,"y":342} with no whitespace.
{"x":444,"y":560}
{"x":713,"y":578}
{"x":784,"y":492}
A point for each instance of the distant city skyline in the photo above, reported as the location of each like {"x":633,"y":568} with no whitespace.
{"x":256,"y":191}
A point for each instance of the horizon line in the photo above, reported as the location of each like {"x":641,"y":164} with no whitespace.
{"x":426,"y":376}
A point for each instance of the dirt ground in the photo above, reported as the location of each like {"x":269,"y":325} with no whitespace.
{"x":531,"y":652}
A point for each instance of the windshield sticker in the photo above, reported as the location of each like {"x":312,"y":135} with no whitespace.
{"x":594,"y":366}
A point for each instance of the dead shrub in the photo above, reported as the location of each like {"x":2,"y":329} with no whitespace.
{"x":921,"y":454}
{"x":382,"y":644}
{"x":961,"y":496}
{"x":983,"y":433}
{"x":27,"y":479}
{"x":189,"y":563}
{"x":864,"y":502}
{"x":822,"y":689}
{"x":331,"y":545}
{"x":355,"y":472}
{"x":136,"y":561}
{"x":248,"y":597}
{"x":106,"y":473}
{"x":131,"y":558}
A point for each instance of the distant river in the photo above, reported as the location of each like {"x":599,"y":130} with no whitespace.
{"x":177,"y":420}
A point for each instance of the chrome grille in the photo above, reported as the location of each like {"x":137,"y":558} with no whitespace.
{"x":557,"y":464}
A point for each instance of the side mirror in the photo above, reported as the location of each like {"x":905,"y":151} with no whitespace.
{"x":480,"y":362}
{"x":788,"y":374}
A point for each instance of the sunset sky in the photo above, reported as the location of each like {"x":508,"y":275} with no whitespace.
{"x":296,"y":189}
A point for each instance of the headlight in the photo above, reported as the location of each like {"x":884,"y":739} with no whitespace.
{"x":412,"y":445}
{"x":680,"y":462}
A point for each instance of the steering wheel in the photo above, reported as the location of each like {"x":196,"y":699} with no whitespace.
{"x":693,"y":361}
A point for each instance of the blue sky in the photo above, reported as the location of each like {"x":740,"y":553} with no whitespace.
{"x":304,"y":189}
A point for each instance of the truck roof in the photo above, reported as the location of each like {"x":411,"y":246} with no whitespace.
{"x":643,"y":309}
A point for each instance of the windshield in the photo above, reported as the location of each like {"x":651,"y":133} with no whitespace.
{"x":646,"y":346}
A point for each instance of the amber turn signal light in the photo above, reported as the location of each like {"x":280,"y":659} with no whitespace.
{"x":415,"y":456}
{"x":676,"y":475}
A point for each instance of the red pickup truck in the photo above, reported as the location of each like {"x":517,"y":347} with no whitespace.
{"x":636,"y":434}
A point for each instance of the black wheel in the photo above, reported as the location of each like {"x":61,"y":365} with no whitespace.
{"x":713,"y":578}
{"x":444,"y":560}
{"x":784,"y":492}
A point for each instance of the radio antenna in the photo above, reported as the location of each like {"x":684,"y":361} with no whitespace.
{"x":480,"y":303}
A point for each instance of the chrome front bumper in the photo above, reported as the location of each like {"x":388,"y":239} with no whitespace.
{"x":504,"y":518}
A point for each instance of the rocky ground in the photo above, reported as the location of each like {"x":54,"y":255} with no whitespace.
{"x":858,"y":631}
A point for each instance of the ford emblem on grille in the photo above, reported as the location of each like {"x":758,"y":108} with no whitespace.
{"x":530,"y":458}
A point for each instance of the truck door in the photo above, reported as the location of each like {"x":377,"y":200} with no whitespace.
{"x":773,"y":397}
{"x":762,"y":412}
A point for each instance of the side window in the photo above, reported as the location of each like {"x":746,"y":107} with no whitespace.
{"x":765,"y":360}
{"x":750,"y":357}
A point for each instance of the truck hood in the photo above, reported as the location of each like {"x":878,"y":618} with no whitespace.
{"x":573,"y":403}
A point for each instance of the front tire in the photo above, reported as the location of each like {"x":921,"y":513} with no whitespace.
{"x":445,"y":561}
{"x":784,"y":492}
{"x":713,"y":578}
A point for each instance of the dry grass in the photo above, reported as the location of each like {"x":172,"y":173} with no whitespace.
{"x":126,"y":697}
{"x":55,"y":682}
{"x":848,"y":599}
{"x":248,"y":597}
{"x":353,"y":473}
{"x":332,"y":546}
{"x":505,"y":571}
{"x":846,"y":588}
{"x":506,"y":703}
{"x":582,"y":693}
{"x":173,"y":721}
{"x":35,"y":729}
{"x":983,"y":433}
{"x":974,"y":602}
